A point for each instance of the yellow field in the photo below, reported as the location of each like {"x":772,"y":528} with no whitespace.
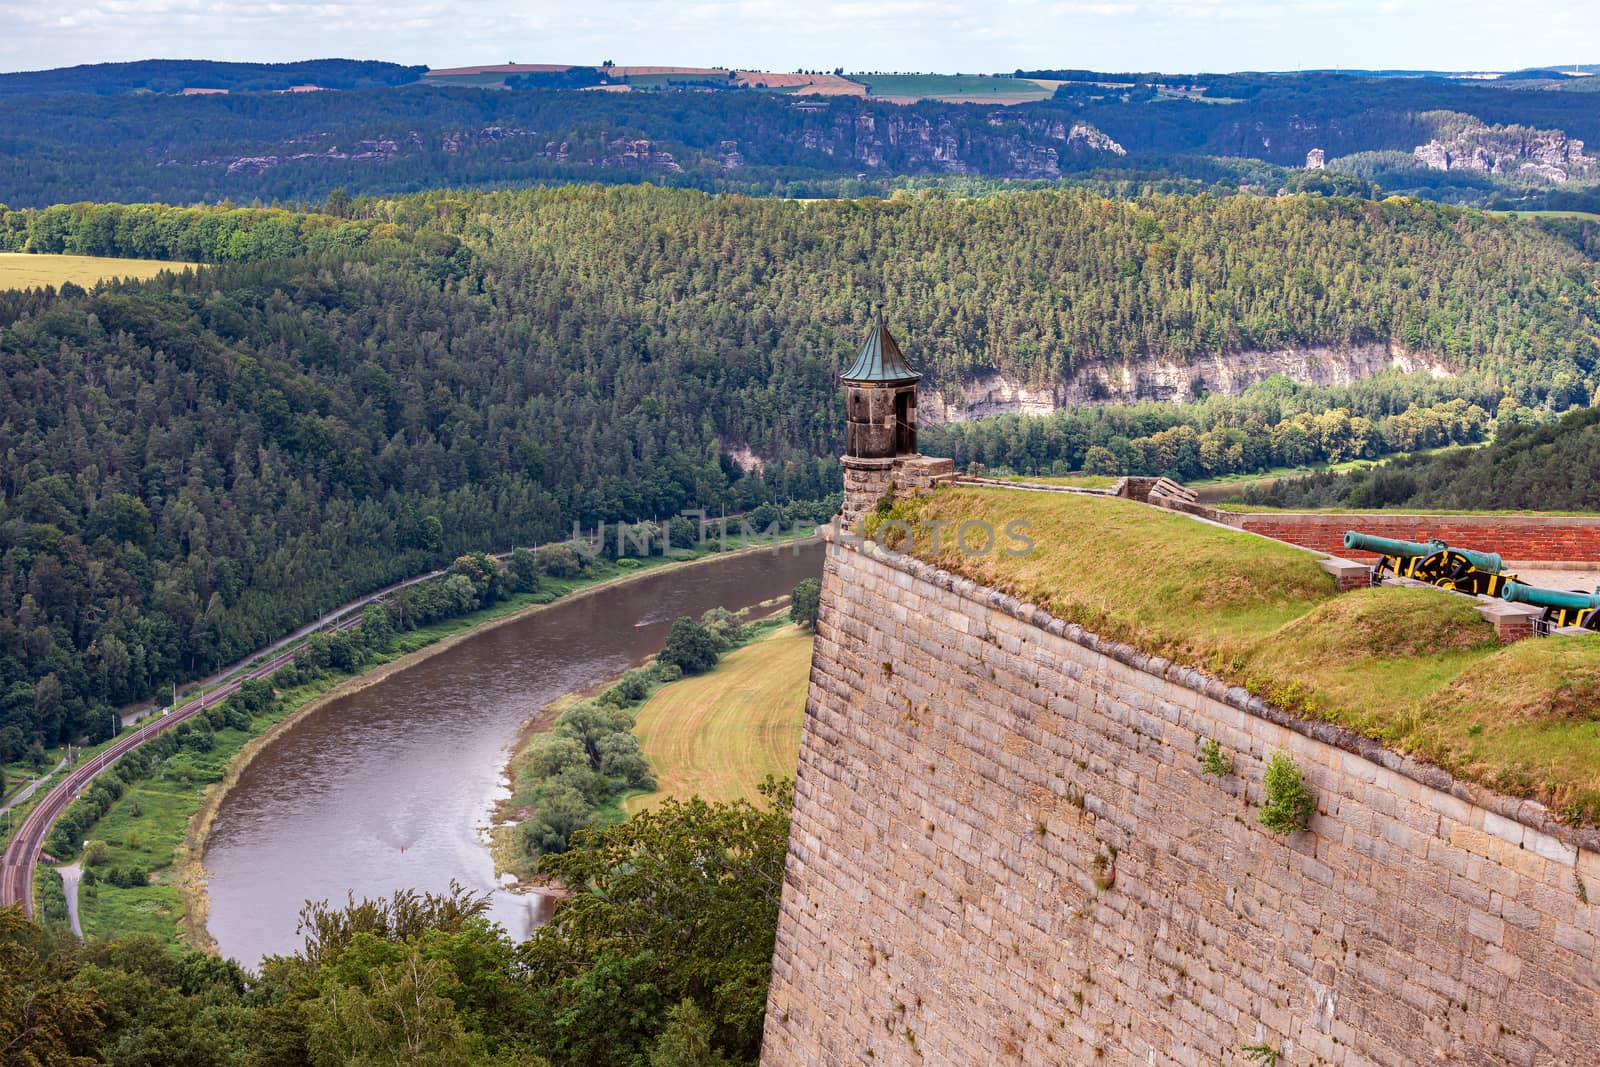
{"x":24,"y":270}
{"x":720,"y":734}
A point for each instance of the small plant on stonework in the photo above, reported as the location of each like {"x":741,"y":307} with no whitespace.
{"x":1105,"y":870}
{"x":1214,"y":759}
{"x":1289,"y":802}
{"x":1264,"y":1055}
{"x":1580,"y":889}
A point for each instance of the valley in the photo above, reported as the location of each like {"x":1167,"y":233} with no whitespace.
{"x":522,"y":396}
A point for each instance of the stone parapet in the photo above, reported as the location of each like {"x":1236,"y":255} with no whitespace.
{"x":1512,"y":622}
{"x":867,"y":481}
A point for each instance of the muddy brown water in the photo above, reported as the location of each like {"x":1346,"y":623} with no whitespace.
{"x":389,"y":787}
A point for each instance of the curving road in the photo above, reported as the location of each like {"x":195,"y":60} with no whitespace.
{"x":22,"y":854}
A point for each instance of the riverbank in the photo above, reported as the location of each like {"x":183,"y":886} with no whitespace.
{"x":511,"y":857}
{"x":188,"y":875}
{"x":718,"y":735}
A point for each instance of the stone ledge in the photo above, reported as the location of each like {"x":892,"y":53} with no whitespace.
{"x":1573,"y":631}
{"x":1529,"y":813}
{"x":1347,"y":574}
{"x":1512,"y":622}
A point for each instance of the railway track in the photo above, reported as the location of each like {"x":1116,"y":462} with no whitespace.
{"x":21,"y":857}
{"x":22,"y":854}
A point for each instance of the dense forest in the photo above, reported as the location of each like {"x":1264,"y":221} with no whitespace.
{"x":192,"y":466}
{"x":1273,"y":424}
{"x":175,"y":75}
{"x":659,"y":959}
{"x":1540,"y":468}
{"x":1232,"y":129}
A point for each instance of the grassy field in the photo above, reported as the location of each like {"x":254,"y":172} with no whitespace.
{"x":720,"y":734}
{"x":24,"y":270}
{"x":1590,"y":215}
{"x":1072,"y":481}
{"x":951,"y":87}
{"x":1416,"y":669}
{"x":1274,"y":474}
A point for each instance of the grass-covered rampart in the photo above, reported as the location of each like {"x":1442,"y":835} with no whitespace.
{"x":1416,"y":669}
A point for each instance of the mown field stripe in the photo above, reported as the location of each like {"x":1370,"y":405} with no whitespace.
{"x":720,"y":734}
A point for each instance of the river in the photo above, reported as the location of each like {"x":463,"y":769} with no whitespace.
{"x":388,"y":787}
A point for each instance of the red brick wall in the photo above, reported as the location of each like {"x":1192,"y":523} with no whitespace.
{"x":1519,"y":538}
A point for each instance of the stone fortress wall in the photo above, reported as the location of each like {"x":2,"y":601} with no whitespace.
{"x":1004,"y":850}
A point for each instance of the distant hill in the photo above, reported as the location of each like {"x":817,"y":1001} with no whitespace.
{"x":176,"y":75}
{"x":1555,"y":467}
{"x":124,"y":134}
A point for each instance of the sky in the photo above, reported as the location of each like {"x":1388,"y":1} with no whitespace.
{"x":781,"y":35}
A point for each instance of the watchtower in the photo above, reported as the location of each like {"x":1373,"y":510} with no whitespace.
{"x":881,"y":425}
{"x":880,"y":397}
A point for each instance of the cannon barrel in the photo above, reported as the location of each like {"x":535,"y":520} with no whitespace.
{"x":1484,"y":561}
{"x":1518,"y":593}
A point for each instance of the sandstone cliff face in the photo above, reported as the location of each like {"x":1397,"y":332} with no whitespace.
{"x":1078,"y":136}
{"x":902,"y":141}
{"x":991,"y":393}
{"x":911,"y":141}
{"x":1467,"y":144}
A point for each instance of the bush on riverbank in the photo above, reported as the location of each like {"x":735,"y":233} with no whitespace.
{"x":578,"y":769}
{"x":575,"y":776}
{"x":694,"y":647}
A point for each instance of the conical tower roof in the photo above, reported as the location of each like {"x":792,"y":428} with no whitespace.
{"x":880,"y":361}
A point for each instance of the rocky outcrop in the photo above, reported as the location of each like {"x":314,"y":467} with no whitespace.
{"x":372,"y":151}
{"x":1086,"y":138}
{"x":991,"y":393}
{"x":911,"y":142}
{"x":637,"y":152}
{"x":846,"y":137}
{"x":1464,"y":143}
{"x":461,"y":140}
{"x":1316,"y":159}
{"x":634,"y":152}
{"x":1080,"y":137}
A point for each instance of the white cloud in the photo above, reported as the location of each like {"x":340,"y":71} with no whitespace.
{"x":1175,"y":35}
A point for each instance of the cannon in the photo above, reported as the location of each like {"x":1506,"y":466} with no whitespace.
{"x":1433,"y":562}
{"x":1561,"y":607}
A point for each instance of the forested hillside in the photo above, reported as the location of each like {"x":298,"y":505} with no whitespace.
{"x":189,"y":467}
{"x":1225,"y":129}
{"x":1554,"y":467}
{"x":175,"y":75}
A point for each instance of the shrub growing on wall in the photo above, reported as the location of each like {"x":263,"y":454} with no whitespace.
{"x":1289,"y":801}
